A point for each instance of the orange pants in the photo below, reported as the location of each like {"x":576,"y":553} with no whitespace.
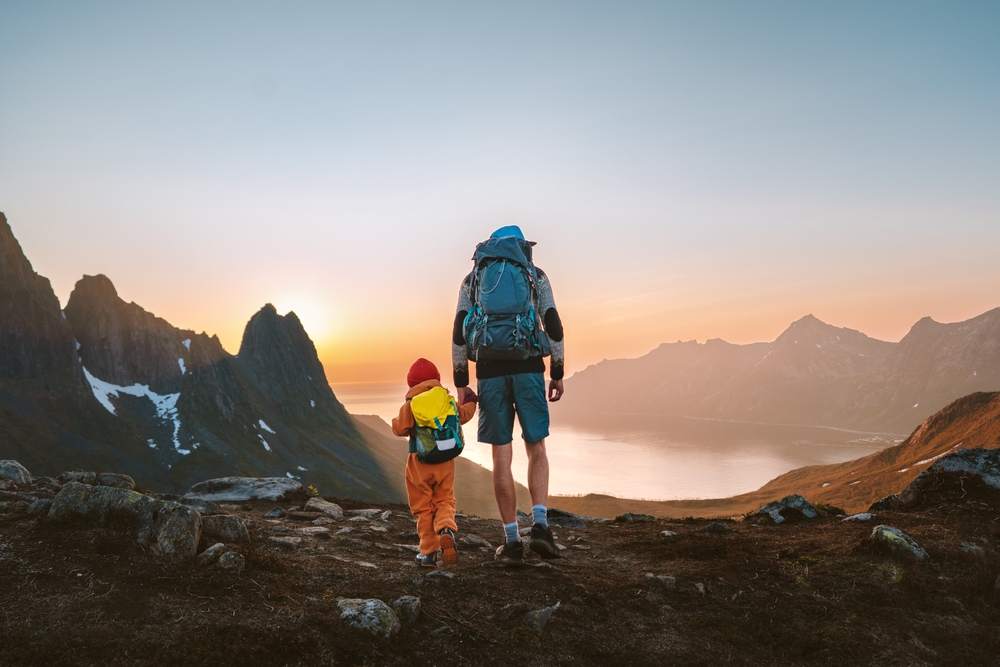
{"x":430,"y":490}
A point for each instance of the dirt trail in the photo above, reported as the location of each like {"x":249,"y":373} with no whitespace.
{"x":805,"y":593}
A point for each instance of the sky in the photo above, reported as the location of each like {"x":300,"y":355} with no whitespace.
{"x":689,"y":170}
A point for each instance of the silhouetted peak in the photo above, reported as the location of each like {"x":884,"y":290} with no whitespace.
{"x":97,"y":287}
{"x":15,"y":269}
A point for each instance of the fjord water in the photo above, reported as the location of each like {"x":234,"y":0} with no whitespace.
{"x":653,"y":457}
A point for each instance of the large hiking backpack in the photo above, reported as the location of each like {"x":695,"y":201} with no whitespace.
{"x":437,"y":436}
{"x":502,"y":324}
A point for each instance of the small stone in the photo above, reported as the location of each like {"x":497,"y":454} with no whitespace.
{"x":897,"y":542}
{"x":362,"y":563}
{"x":701,"y":588}
{"x":275,"y":513}
{"x":474,"y":540}
{"x":967,"y":548}
{"x":524,"y":532}
{"x":313,"y":530}
{"x":330,"y":509}
{"x":232,"y":561}
{"x":416,"y":579}
{"x":323,"y":521}
{"x":3,"y":506}
{"x":280,"y":529}
{"x":115,"y":481}
{"x":206,"y":507}
{"x":581,"y":547}
{"x":524,"y":519}
{"x":536,"y":621}
{"x":373,"y":616}
{"x":440,"y":574}
{"x":358,"y":519}
{"x":560,"y":547}
{"x":862,"y":516}
{"x":299,"y":515}
{"x":210,"y":555}
{"x":344,"y":531}
{"x":286,"y":542}
{"x":368,"y":514}
{"x":378,"y":529}
{"x":226,"y":528}
{"x":15,"y":472}
{"x":668,"y":533}
{"x":716,"y":527}
{"x":388,"y":513}
{"x":631,"y":517}
{"x":407,"y":609}
{"x":7,"y":485}
{"x":667,"y":580}
{"x":39,"y":507}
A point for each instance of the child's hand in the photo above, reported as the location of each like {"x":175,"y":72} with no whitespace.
{"x":466,"y":395}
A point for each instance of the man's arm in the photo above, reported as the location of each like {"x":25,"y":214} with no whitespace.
{"x":459,"y":352}
{"x":552,"y":324}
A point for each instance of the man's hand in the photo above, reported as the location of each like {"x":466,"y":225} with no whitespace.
{"x":555,"y":390}
{"x":465,"y":395}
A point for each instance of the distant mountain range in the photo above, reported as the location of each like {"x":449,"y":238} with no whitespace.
{"x":814,"y":374}
{"x":106,"y":385}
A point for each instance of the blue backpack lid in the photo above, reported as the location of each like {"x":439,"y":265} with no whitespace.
{"x":510,"y":230}
{"x":511,"y":248}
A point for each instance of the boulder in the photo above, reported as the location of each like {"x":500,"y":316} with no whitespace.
{"x":333,"y":510}
{"x":524,"y":519}
{"x":40,"y":507}
{"x":210,"y":555}
{"x":561,"y":519}
{"x":115,"y":481}
{"x":535,"y":621}
{"x":172,"y":530}
{"x":79,"y":476}
{"x":407,"y":609}
{"x":952,"y":473}
{"x":897,"y":543}
{"x":232,"y":561}
{"x":887,"y":504}
{"x":790,"y":508}
{"x":7,"y":485}
{"x":15,"y":472}
{"x":631,"y":517}
{"x":373,"y":616}
{"x":206,"y":507}
{"x":226,"y":528}
{"x":241,"y":489}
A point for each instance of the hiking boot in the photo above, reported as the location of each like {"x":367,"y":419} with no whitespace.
{"x":427,"y":560}
{"x":541,"y":542}
{"x":512,"y":552}
{"x":449,"y":549}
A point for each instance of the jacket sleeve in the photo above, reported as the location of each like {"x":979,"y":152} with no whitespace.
{"x":403,"y":424}
{"x":466,"y":411}
{"x":459,"y":351}
{"x":553,"y":325}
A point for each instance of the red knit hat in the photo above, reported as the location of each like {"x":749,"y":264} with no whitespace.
{"x":422,"y":371}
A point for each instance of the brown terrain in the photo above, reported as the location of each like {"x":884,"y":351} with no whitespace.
{"x":743,"y":593}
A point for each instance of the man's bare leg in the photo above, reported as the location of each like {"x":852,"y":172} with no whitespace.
{"x":503,"y":483}
{"x":538,"y":472}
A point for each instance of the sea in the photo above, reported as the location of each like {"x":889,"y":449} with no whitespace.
{"x":652,"y":457}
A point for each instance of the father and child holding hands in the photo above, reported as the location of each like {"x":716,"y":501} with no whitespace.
{"x":506,"y":322}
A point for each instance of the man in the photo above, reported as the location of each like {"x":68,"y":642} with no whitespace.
{"x":511,"y":373}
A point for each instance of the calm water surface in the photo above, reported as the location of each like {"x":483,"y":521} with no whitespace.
{"x":653,"y":456}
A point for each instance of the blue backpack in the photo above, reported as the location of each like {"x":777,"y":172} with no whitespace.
{"x":502,"y":324}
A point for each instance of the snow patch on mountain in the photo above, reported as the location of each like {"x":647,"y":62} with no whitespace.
{"x":180,"y":362}
{"x":265,"y":426}
{"x":165,"y":404}
{"x":187,"y":344}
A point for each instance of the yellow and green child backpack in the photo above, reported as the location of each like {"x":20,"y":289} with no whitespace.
{"x":437,"y":436}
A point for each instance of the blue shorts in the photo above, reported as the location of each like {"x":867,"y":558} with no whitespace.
{"x":501,"y":397}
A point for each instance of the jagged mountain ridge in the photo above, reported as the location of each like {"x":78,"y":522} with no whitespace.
{"x":108,"y":386}
{"x":813,"y":373}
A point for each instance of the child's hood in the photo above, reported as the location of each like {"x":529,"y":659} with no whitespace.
{"x":421,"y":388}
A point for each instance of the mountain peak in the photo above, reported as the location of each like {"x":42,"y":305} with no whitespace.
{"x":96,"y":287}
{"x":15,"y":269}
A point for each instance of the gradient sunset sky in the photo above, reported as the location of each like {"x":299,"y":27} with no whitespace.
{"x":689,"y":170}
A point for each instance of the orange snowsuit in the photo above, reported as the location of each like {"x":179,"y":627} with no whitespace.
{"x":430,"y":487}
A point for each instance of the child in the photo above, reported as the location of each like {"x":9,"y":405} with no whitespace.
{"x":430,"y":487}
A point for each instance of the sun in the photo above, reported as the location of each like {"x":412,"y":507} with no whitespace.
{"x":315,"y":314}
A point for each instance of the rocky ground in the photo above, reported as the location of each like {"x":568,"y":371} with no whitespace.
{"x":812,"y":591}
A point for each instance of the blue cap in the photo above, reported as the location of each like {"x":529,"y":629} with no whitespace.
{"x":509,"y":230}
